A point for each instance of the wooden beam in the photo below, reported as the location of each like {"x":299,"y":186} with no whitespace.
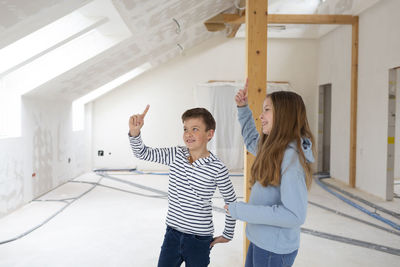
{"x":353,"y":103}
{"x":224,"y":18}
{"x":293,"y":19}
{"x":216,"y":23}
{"x":241,"y":13}
{"x":215,"y":27}
{"x":256,"y":72}
{"x":234,"y":30}
{"x":310,"y":19}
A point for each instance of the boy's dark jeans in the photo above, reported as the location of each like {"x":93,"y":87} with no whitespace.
{"x":177,"y":247}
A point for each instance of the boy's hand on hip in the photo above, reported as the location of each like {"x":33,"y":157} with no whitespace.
{"x":136,"y":122}
{"x":219,"y":239}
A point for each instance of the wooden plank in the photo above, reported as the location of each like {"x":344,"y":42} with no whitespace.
{"x":353,"y":104}
{"x":296,"y":19}
{"x":256,"y":72}
{"x":310,"y":19}
{"x":235,"y":27}
{"x":234,"y":30}
{"x":215,"y":27}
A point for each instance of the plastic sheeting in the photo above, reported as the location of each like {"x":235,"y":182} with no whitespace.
{"x":227,"y":143}
{"x":219,"y":99}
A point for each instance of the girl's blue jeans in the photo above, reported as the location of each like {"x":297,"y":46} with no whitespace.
{"x":179,"y":247}
{"x":258,"y":257}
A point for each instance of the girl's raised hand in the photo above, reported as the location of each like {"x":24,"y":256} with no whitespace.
{"x":241,"y":96}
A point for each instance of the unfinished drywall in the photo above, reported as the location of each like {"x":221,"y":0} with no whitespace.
{"x":397,"y":130}
{"x":46,"y":155}
{"x":378,"y":52}
{"x":169,"y":89}
{"x":334,"y":59}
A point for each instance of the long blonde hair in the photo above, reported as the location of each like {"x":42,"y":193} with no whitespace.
{"x":289,"y":124}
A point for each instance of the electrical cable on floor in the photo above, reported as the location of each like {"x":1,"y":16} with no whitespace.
{"x":366,"y":202}
{"x":355,"y":218}
{"x":338,"y":238}
{"x":133,"y":184}
{"x":123,"y":190}
{"x":359,"y":243}
{"x":163,"y":194}
{"x":148,"y":188}
{"x":52,"y":216}
{"x":348,"y":201}
{"x":94,"y":184}
{"x":147,"y":173}
{"x":165,"y":173}
{"x":99,"y":172}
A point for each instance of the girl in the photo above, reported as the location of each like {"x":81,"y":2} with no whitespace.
{"x":280,"y":178}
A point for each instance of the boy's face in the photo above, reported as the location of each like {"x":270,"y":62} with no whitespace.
{"x":195,"y":135}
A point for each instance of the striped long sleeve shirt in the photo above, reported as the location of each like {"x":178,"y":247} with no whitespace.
{"x":191,"y":188}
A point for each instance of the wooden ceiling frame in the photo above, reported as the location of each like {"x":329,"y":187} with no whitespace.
{"x":257,"y":19}
{"x":288,"y":19}
{"x":331,"y":19}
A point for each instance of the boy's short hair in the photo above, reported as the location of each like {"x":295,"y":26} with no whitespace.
{"x":200,"y":113}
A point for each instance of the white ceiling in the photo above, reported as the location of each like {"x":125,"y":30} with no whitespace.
{"x":159,"y":29}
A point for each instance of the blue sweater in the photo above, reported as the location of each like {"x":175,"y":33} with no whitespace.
{"x":274,"y":214}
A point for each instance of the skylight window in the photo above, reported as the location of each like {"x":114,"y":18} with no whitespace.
{"x":57,"y":61}
{"x":44,"y":39}
{"x":61,"y":46}
{"x":10,"y":114}
{"x":52,"y":50}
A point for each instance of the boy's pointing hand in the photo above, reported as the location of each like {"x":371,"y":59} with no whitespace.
{"x":136,"y":122}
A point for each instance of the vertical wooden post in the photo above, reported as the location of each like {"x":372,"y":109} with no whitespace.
{"x":256,"y":72}
{"x":353,"y":103}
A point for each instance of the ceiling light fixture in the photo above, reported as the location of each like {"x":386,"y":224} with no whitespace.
{"x":236,"y":3}
{"x":178,"y":26}
{"x":180,"y":46}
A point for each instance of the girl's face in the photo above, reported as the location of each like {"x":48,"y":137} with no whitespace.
{"x":267,"y":116}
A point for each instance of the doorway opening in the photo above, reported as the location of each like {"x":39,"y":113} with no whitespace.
{"x":393,"y":135}
{"x":324,"y":129}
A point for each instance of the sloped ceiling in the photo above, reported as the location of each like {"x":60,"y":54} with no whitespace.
{"x":160,"y":29}
{"x":154,"y":37}
{"x":21,"y":17}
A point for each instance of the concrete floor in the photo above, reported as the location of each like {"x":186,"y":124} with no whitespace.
{"x":109,"y":227}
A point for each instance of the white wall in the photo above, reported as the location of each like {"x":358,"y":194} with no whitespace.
{"x":397,"y":128}
{"x":169,"y":90}
{"x":379,"y":42}
{"x":334,"y":59}
{"x":46,"y":143}
{"x":379,"y":52}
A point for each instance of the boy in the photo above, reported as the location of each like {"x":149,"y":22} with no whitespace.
{"x":193,"y":177}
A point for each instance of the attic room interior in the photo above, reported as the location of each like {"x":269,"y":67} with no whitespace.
{"x":78,"y":77}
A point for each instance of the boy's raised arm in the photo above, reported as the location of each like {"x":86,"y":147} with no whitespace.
{"x":160,"y":155}
{"x":136,"y":122}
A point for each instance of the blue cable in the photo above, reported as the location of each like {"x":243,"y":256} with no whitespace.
{"x":165,"y":173}
{"x":150,"y":173}
{"x":348,"y":201}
